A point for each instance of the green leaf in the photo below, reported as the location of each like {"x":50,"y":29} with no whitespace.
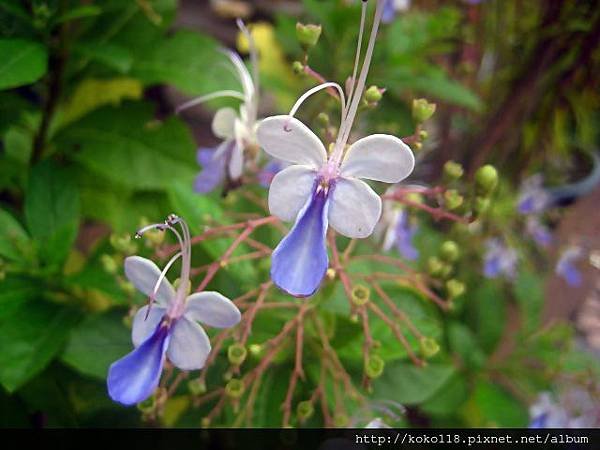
{"x":529,"y":293}
{"x":407,"y":384}
{"x":449,"y":398}
{"x":52,"y":211}
{"x":464,"y":343}
{"x":23,"y":62}
{"x":15,"y":291}
{"x":79,"y":12}
{"x":13,"y":238}
{"x":126,"y":147}
{"x":30,"y":336}
{"x":497,"y":408}
{"x":490,"y":314}
{"x":96,"y":343}
{"x":111,"y":55}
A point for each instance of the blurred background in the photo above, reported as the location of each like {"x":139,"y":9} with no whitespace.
{"x":91,"y":150}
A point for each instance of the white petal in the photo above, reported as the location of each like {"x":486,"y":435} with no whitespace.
{"x":236,"y":163}
{"x":144,"y":274}
{"x":189,"y":345}
{"x":144,"y":327}
{"x":212,"y":309}
{"x":289,"y":190}
{"x":223,"y":123}
{"x":380,"y":157}
{"x":288,"y":139}
{"x":354,"y":209}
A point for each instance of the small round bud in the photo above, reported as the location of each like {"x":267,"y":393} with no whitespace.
{"x":205,"y":422}
{"x":323,"y":119}
{"x":330,"y":273}
{"x":109,"y":264}
{"x":428,"y":346}
{"x":360,"y":294}
{"x":434,"y":266}
{"x":486,"y":179}
{"x":453,"y":199}
{"x":422,"y":110}
{"x":455,"y":288}
{"x":236,"y":353}
{"x":305,"y":410}
{"x":235,"y":388}
{"x":196,"y":386}
{"x":354,"y":318}
{"x":374,"y":366}
{"x":417,"y":146}
{"x":449,"y":251}
{"x":127,"y":321}
{"x":453,"y":171}
{"x":446,"y":271}
{"x":373,"y":94}
{"x":127,"y":287}
{"x":123,"y":243}
{"x":423,"y":135}
{"x":414,"y":197}
{"x":308,"y":35}
{"x":298,"y":67}
{"x":255,"y":349}
{"x":340,"y":420}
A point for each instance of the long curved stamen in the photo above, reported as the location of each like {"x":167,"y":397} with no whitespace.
{"x":316,"y":89}
{"x":253,"y":51}
{"x":363,"y":14}
{"x":162,"y":276}
{"x":357,"y":95}
{"x":245,"y":77}
{"x":211,"y":96}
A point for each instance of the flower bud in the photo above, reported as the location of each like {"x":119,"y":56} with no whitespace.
{"x":417,"y":146}
{"x":455,"y":288}
{"x":446,"y":271}
{"x":323,"y":119}
{"x":123,"y":243}
{"x":373,"y":94}
{"x":236,"y":353}
{"x":360,"y":294}
{"x":308,"y":35}
{"x":109,"y":264}
{"x":422,"y":110}
{"x":414,"y":197}
{"x":481,"y":205}
{"x":340,"y":420}
{"x":423,"y":134}
{"x":453,"y":199}
{"x":434,"y":266}
{"x":374,"y":366}
{"x":298,"y":67}
{"x":354,"y":318}
{"x":305,"y":410}
{"x":255,"y":349}
{"x":235,"y":388}
{"x":196,"y":386}
{"x":428,"y":346}
{"x":486,"y":179}
{"x":453,"y":171}
{"x":449,"y":251}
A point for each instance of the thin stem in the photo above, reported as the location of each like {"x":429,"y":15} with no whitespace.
{"x":208,"y":97}
{"x":314,"y":90}
{"x":363,"y":13}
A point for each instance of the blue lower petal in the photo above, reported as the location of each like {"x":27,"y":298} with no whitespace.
{"x":213,"y":170}
{"x":134,"y":377}
{"x":300,"y":260}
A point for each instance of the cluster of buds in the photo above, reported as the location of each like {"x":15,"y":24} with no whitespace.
{"x":442,"y":267}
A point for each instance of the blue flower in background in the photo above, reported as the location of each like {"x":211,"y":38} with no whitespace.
{"x":168,"y":326}
{"x":499,"y":260}
{"x":268,"y":172}
{"x":539,"y":232}
{"x":566,"y":267}
{"x":533,"y":198}
{"x":393,"y":7}
{"x":400,"y":233}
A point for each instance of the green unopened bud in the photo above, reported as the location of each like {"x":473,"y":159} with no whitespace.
{"x":340,"y":420}
{"x":449,"y":251}
{"x":455,"y":288}
{"x":127,"y":287}
{"x":423,"y":135}
{"x":354,"y":318}
{"x":453,"y":171}
{"x":373,"y":94}
{"x":414,"y":197}
{"x":486,"y":179}
{"x":298,"y":67}
{"x":428,"y":346}
{"x":374,"y":366}
{"x":109,"y":264}
{"x":453,"y":199}
{"x":446,"y":271}
{"x":360,"y":294}
{"x":123,"y":243}
{"x":308,"y":35}
{"x":305,"y":410}
{"x":235,"y":388}
{"x":196,"y":386}
{"x":417,"y":146}
{"x":422,"y":110}
{"x":255,"y":349}
{"x":481,"y":205}
{"x":434,"y":266}
{"x":236,"y":353}
{"x":323,"y":119}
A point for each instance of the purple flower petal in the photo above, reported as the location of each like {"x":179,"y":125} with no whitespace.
{"x":566,"y":266}
{"x":404,"y":237}
{"x":300,"y":260}
{"x":265,"y":176}
{"x":213,"y":163}
{"x":389,"y":11}
{"x":134,"y":377}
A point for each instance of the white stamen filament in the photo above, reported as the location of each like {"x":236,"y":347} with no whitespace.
{"x":245,"y":77}
{"x":346,"y":126}
{"x":211,"y":96}
{"x":363,"y":14}
{"x":253,"y":50}
{"x":162,"y":276}
{"x":316,"y":89}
